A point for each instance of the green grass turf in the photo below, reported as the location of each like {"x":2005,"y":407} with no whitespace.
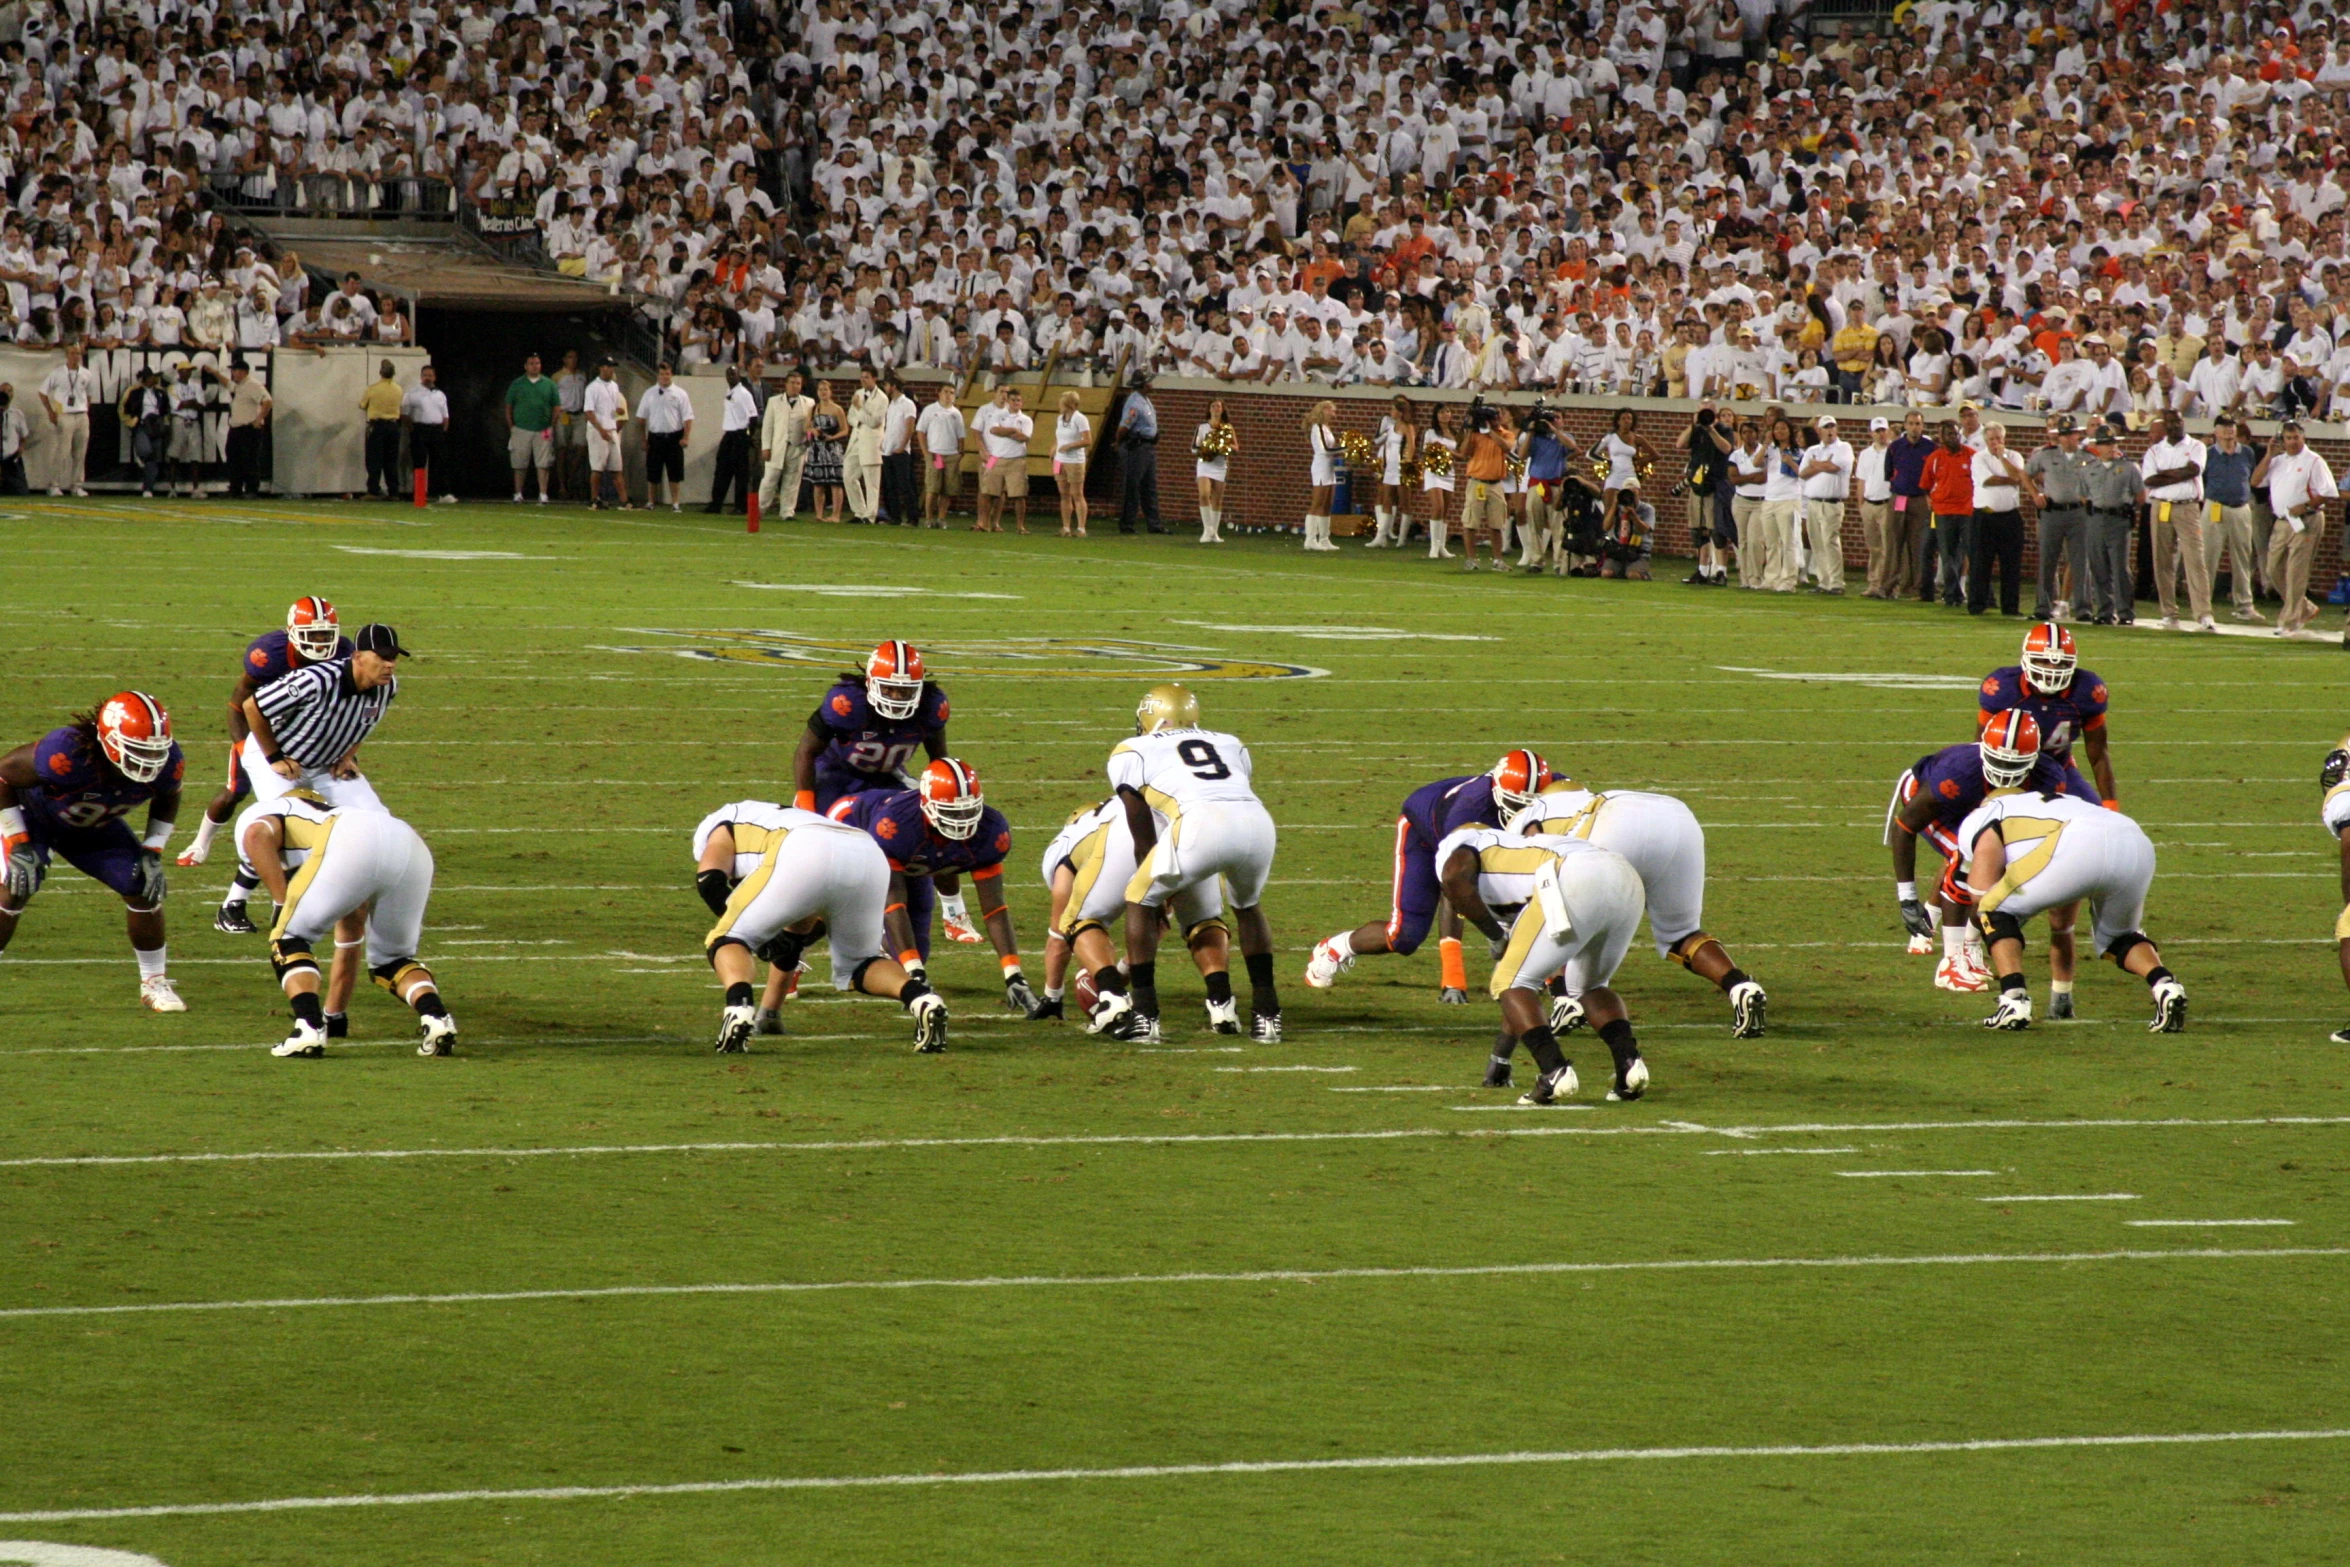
{"x":557,"y":780}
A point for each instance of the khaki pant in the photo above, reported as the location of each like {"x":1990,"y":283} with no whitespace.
{"x":1823,"y":528}
{"x":2178,"y":545}
{"x":1484,"y":508}
{"x":1884,"y":546}
{"x":862,"y":480}
{"x":779,"y":482}
{"x":1535,"y":534}
{"x":73,"y":450}
{"x":2230,"y":527}
{"x":1743,"y":510}
{"x":2289,"y":558}
{"x":1774,"y":541}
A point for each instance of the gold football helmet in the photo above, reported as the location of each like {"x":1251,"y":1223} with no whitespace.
{"x":1166,"y":707}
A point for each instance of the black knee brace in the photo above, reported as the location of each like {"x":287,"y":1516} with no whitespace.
{"x":290,"y":955}
{"x":2122,"y":946}
{"x":857,"y":978}
{"x":710,"y":950}
{"x":1193,"y":933}
{"x":2001,"y":926}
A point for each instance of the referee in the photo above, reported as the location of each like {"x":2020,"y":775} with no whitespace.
{"x":306,"y":729}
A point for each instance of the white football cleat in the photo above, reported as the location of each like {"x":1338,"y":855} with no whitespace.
{"x":1631,"y":1082}
{"x":192,"y":855}
{"x":1327,"y":963}
{"x":1919,"y":946}
{"x":156,"y":994}
{"x":1566,"y":1015}
{"x":1951,"y":974}
{"x":930,"y":1023}
{"x":2015,"y":1011}
{"x":2170,"y":1008}
{"x":438,"y":1037}
{"x":1747,"y":1006}
{"x":1552,"y":1086}
{"x":1224,"y":1016}
{"x":304,"y":1041}
{"x":1112,"y":1013}
{"x":735,"y":1025}
{"x":960,"y":929}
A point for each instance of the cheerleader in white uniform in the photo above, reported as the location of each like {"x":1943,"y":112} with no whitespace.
{"x":1210,"y":467}
{"x":1444,"y":437}
{"x":1322,"y":438}
{"x":1397,"y":433}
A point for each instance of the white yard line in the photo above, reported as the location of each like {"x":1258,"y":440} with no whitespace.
{"x":2204,"y":1224}
{"x":1596,"y":1455}
{"x":1137,"y":1280}
{"x":2069,"y":1197}
{"x":1288,"y":1069}
{"x":1757,"y":1153}
{"x":1886,"y":1175}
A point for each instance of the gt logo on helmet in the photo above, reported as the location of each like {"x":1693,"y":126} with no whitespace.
{"x":135,"y":733}
{"x":314,"y":629}
{"x":2010,"y":747}
{"x":2049,"y":659}
{"x":951,"y":798}
{"x":893,"y":679}
{"x":1517,"y":778}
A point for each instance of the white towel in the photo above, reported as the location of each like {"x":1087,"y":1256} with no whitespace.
{"x":1557,"y":923}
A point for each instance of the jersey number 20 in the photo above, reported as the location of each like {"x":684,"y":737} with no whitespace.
{"x":1202,"y":759}
{"x":879,"y":756}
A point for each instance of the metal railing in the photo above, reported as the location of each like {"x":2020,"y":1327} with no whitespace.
{"x":341,"y":196}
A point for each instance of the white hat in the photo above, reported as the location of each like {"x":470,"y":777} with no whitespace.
{"x":1880,"y":424}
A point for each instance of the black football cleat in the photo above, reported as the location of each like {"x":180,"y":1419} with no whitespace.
{"x":1497,"y":1072}
{"x":232,"y":921}
{"x":2060,"y":1005}
{"x":1552,"y":1087}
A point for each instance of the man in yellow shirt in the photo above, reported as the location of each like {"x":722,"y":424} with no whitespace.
{"x":1853,"y":347}
{"x":380,"y":403}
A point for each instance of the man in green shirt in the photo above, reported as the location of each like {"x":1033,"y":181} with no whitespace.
{"x":531,"y":405}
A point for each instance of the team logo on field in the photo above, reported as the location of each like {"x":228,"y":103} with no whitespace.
{"x":1071,"y":658}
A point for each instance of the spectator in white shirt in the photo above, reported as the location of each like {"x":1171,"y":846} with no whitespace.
{"x":1827,"y":481}
{"x":2000,"y":486}
{"x":938,"y":434}
{"x":2173,"y":471}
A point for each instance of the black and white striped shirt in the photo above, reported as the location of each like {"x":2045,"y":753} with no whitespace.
{"x":317,"y":715}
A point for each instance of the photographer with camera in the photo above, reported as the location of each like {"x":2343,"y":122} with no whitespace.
{"x":1708,"y":445}
{"x":1545,"y":457}
{"x":1484,"y":463}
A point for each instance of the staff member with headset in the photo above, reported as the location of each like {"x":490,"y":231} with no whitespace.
{"x":304,"y":730}
{"x":381,"y":404}
{"x":1138,"y":458}
{"x":426,"y":409}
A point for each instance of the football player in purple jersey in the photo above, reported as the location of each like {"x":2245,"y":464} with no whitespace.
{"x":313,"y":635}
{"x":1430,"y":814}
{"x":2065,"y":700}
{"x":945,"y":825}
{"x":66,"y":794}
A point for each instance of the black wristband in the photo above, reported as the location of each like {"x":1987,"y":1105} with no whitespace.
{"x":273,"y":757}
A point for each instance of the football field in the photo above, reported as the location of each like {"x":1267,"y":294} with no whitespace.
{"x":1879,"y":1287}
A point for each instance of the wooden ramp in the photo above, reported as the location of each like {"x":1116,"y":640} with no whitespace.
{"x":1040,"y":399}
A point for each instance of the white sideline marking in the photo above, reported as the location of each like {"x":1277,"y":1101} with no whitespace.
{"x":1249,"y":1276}
{"x":1288,"y":1069}
{"x":1408,"y":1088}
{"x":574,"y":1493}
{"x":1880,"y":1175}
{"x":1158,"y":1139}
{"x":1755,"y":1153}
{"x":2203,"y":1224}
{"x":2070,"y":1197}
{"x":358,"y":549}
{"x":1514,"y":1107}
{"x":1187,"y":1050}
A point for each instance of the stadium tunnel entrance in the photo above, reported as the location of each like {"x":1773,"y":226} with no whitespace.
{"x":477,"y":353}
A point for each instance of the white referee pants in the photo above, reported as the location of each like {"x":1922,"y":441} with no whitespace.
{"x":370,"y":860}
{"x":355,"y":793}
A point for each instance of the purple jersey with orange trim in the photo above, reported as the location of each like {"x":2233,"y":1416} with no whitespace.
{"x":272,"y":657}
{"x":2063,"y":718}
{"x":894,"y":819}
{"x":1444,"y":807}
{"x":78,"y":791}
{"x":861,"y":741}
{"x":1953,"y":779}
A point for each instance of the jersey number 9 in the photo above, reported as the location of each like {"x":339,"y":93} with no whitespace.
{"x":89,"y":813}
{"x":1202,"y":759}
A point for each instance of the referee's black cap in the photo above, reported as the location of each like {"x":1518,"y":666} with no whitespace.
{"x":377,"y":638}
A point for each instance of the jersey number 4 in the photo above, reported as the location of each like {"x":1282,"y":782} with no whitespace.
{"x":1202,"y":759}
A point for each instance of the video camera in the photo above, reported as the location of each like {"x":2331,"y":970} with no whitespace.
{"x":1481,"y":416}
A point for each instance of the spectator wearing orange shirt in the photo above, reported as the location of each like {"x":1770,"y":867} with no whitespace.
{"x":1408,"y":250}
{"x":1949,"y":482}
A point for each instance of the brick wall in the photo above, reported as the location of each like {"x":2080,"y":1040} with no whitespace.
{"x":1268,"y":485}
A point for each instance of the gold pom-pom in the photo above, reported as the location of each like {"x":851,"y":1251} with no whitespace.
{"x":1355,"y":447}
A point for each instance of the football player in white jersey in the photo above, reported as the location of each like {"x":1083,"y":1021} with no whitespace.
{"x":1575,"y":909}
{"x":1086,"y":869}
{"x":1661,"y":837}
{"x":1193,"y":817}
{"x":2028,"y":853}
{"x":2334,"y":779}
{"x":728,"y":846}
{"x":814,"y":877}
{"x":361,"y":875}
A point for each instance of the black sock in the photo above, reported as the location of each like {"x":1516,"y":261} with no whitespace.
{"x":429,"y":1004}
{"x":2011,"y":982}
{"x":740,"y":995}
{"x":1263,"y":1000}
{"x":1110,"y":982}
{"x":338,"y":1025}
{"x":1620,"y":1043}
{"x":915,"y":990}
{"x":2156,"y":975}
{"x":1220,"y":987}
{"x":246,"y":879}
{"x":1732,"y":980}
{"x":1556,"y":985}
{"x":1543,"y":1046}
{"x":1145,"y":979}
{"x":307,"y":1008}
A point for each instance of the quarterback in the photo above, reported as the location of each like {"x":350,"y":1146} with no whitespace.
{"x":1193,"y":818}
{"x":862,"y":736}
{"x":2028,"y":853}
{"x":1662,"y":840}
{"x":362,"y":876}
{"x":2065,"y":700}
{"x":313,"y":635}
{"x":1431,"y":813}
{"x":1575,"y":908}
{"x":1086,"y":869}
{"x":66,"y":794}
{"x":815,"y":878}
